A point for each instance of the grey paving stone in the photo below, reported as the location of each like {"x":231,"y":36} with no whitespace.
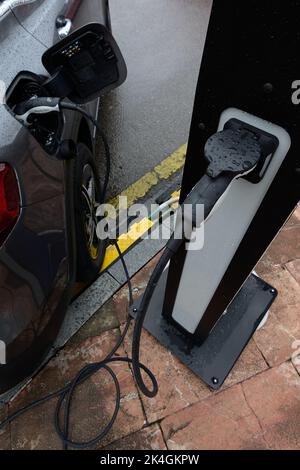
{"x":85,"y":306}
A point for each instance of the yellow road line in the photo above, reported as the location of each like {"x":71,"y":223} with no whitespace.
{"x":173,"y":195}
{"x":171,"y":164}
{"x":176,"y":194}
{"x":163,"y":171}
{"x":138,"y":190}
{"x":126,"y":241}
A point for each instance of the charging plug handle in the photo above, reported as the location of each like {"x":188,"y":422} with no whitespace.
{"x":231,"y":154}
{"x":23,"y":111}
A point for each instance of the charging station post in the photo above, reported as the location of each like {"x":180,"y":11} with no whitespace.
{"x":208,"y":304}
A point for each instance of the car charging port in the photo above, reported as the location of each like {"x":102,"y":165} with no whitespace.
{"x":47,"y":128}
{"x":81,"y":67}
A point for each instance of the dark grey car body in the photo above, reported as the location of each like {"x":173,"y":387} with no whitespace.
{"x":37,"y":260}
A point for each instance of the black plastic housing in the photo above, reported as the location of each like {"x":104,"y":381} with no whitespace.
{"x":85,"y":65}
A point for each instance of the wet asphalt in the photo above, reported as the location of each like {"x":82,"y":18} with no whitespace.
{"x":149,"y":116}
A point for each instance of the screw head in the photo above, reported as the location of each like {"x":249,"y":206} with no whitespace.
{"x":201,"y":126}
{"x":268,"y":88}
{"x":215,"y":381}
{"x":61,"y":21}
{"x":135,"y":310}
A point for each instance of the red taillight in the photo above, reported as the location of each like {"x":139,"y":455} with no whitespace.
{"x":9,"y":200}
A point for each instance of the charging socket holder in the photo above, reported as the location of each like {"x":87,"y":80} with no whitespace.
{"x":84,"y":65}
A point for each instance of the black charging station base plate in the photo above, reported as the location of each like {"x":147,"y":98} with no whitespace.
{"x":214,"y":359}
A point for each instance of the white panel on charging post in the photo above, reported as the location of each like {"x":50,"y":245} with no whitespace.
{"x":224,"y":230}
